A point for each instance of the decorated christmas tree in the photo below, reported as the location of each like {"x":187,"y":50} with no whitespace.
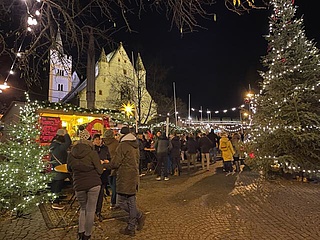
{"x":286,"y":126}
{"x":23,"y":181}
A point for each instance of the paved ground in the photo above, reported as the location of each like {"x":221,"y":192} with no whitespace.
{"x":205,"y":205}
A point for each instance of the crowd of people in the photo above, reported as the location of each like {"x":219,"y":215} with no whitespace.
{"x":98,"y":163}
{"x":165,"y":154}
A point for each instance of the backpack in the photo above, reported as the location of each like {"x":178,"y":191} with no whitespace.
{"x":224,"y":146}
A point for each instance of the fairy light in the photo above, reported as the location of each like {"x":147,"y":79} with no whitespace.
{"x":31,"y":22}
{"x":282,"y":69}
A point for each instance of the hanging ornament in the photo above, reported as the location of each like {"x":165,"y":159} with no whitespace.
{"x":283,"y":60}
{"x":251,"y":155}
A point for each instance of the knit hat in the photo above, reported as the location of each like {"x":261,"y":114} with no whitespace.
{"x":108,"y":134}
{"x":85,"y":135}
{"x":125,"y":130}
{"x":61,"y":132}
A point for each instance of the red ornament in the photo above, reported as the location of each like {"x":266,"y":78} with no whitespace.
{"x":251,"y":155}
{"x":283,"y":60}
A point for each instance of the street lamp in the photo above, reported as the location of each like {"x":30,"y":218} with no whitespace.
{"x":4,"y":86}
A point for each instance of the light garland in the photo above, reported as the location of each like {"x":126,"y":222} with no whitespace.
{"x":287,"y":66}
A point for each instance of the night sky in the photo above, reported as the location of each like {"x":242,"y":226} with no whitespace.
{"x":216,"y":64}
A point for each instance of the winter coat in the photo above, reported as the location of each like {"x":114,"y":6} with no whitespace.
{"x":205,"y":144}
{"x":236,"y":146}
{"x":192,"y":145}
{"x":112,"y":145}
{"x":85,"y":165}
{"x":162,"y":145}
{"x":126,"y":162}
{"x":183,"y":144}
{"x":214,"y":138}
{"x":59,"y":150}
{"x":104,"y":154}
{"x":176,"y":146}
{"x":142,"y":145}
{"x":227,"y":154}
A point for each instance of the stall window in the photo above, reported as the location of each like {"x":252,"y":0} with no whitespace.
{"x":100,"y":92}
{"x":124,"y":72}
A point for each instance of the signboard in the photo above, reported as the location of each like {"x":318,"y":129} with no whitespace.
{"x":49,"y":128}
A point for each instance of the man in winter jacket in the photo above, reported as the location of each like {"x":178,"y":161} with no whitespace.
{"x":192,"y":148}
{"x":104,"y":155}
{"x":162,"y":150}
{"x":175,"y":154}
{"x":126,"y":162}
{"x":205,"y":145}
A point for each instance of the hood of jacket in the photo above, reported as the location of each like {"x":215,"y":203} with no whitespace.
{"x":224,"y":139}
{"x":130,"y":139}
{"x":81,"y":149}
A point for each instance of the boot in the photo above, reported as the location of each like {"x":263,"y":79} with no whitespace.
{"x":126,"y":231}
{"x":85,"y":237}
{"x":141,"y":222}
{"x":80,"y":236}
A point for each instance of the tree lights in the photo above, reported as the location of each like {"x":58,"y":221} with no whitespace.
{"x":286,"y":123}
{"x":23,"y":181}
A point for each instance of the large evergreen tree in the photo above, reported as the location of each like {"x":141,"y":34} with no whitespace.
{"x":286,"y":126}
{"x":23,"y":182}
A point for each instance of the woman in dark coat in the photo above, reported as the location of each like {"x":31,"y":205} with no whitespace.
{"x":59,"y":154}
{"x":86,"y":168}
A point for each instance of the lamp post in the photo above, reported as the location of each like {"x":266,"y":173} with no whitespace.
{"x":208,"y":114}
{"x":200,"y":111}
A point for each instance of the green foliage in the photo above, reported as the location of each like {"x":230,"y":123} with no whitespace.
{"x":23,"y":181}
{"x":287,"y":120}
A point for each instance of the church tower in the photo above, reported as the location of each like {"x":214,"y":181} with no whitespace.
{"x":60,"y":76}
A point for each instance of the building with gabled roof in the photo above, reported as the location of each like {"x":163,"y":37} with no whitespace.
{"x":118,"y":81}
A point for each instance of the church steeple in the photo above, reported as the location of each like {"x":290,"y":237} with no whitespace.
{"x":103,"y":56}
{"x":139,"y":64}
{"x":58,"y":42}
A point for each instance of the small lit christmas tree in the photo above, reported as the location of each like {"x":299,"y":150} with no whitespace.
{"x":23,"y":182}
{"x":286,"y":126}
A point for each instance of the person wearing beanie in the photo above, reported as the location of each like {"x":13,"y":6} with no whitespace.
{"x":112,"y":144}
{"x":126,"y":162}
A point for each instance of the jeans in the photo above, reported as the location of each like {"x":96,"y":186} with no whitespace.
{"x":128,"y":203}
{"x":237,"y":163}
{"x":100,"y":199}
{"x":162,"y":158}
{"x":113,"y":186}
{"x":228,"y":166}
{"x":176,"y":163}
{"x":88,"y":201}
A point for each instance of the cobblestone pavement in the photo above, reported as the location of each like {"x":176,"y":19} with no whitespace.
{"x":203,"y":205}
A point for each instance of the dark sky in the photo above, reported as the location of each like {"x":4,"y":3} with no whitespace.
{"x":217,"y":64}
